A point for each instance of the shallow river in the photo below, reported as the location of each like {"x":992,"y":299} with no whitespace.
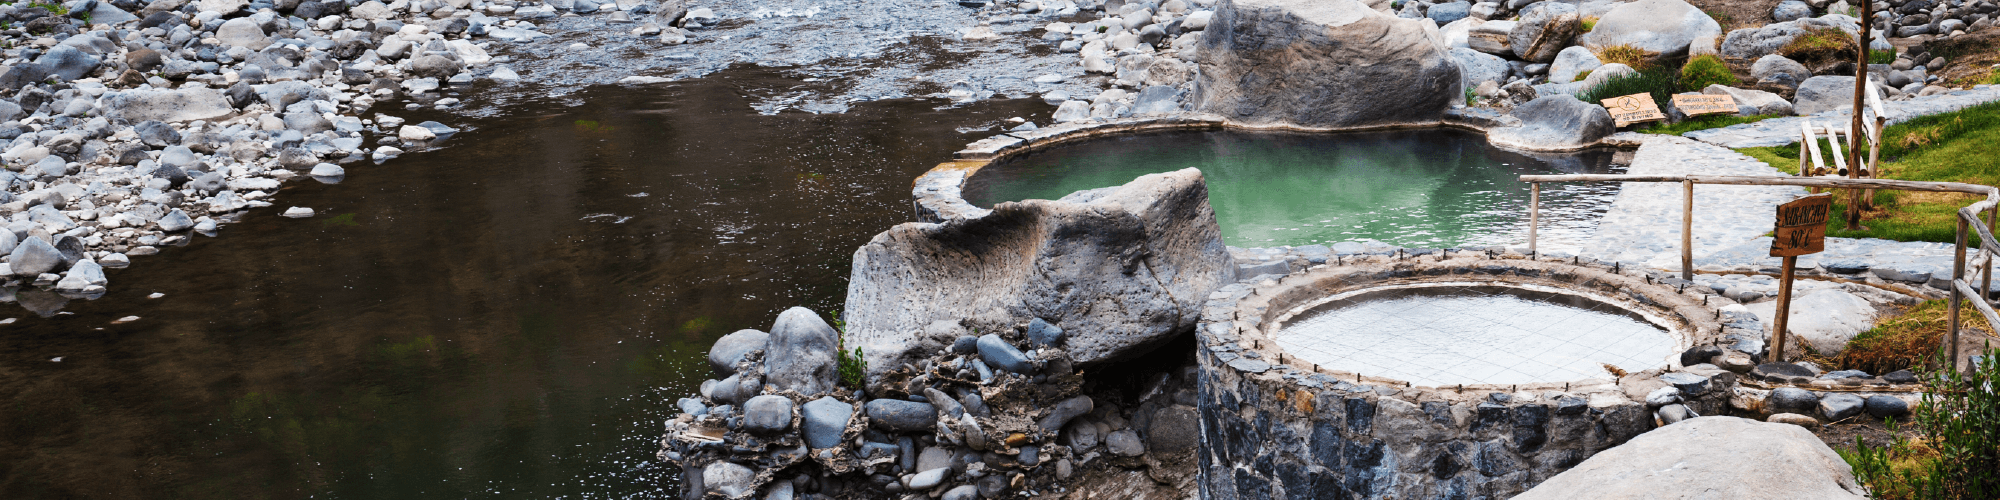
{"x":508,"y":317}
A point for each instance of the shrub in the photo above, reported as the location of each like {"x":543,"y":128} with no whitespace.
{"x":849,"y":363}
{"x":1959,"y":452}
{"x":1626,"y":55}
{"x":1705,"y":70}
{"x":1661,"y":83}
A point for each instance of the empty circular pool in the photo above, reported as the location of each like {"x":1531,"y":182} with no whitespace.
{"x":1417,"y":188}
{"x":1440,"y":334}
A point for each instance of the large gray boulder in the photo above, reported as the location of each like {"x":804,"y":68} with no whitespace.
{"x":1751,"y":43}
{"x":33,"y":257}
{"x":729,"y":349}
{"x":1479,"y":67}
{"x":1662,"y":28}
{"x":1555,"y":123}
{"x":1827,"y":318}
{"x":187,"y":104}
{"x":1779,"y":71}
{"x":1544,"y":29}
{"x":1118,"y":269}
{"x":1710,"y":457}
{"x":67,"y":63}
{"x":800,"y":353}
{"x":1824,"y":93}
{"x":1323,"y":63}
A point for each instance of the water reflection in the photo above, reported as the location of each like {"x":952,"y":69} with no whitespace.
{"x":457,"y":323}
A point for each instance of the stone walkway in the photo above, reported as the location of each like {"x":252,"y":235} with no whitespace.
{"x":1643,"y":226}
{"x":1782,"y":131}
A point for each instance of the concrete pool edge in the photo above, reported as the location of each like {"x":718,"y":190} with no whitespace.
{"x":938,"y":193}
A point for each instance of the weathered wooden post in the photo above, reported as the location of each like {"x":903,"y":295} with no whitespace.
{"x":1687,"y":229}
{"x":1861,"y":84}
{"x":1534,"y":213}
{"x":1801,"y":231}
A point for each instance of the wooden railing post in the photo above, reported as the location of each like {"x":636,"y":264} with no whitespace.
{"x":1534,"y":213}
{"x":1687,"y":230}
{"x":1957,"y":273}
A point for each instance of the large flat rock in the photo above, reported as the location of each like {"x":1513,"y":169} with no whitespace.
{"x":1323,"y":64}
{"x":1710,"y":457}
{"x":1118,"y":269}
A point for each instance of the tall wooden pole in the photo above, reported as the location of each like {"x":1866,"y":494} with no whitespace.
{"x":1860,"y":103}
{"x":1957,"y":272}
{"x":1687,"y":230}
{"x":1784,"y":312}
{"x":1534,"y":213}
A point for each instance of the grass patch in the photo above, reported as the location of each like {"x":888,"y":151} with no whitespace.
{"x":1626,"y":55}
{"x":1905,"y":340}
{"x":1820,"y":46}
{"x":1881,"y":57}
{"x":1704,"y":122}
{"x":1705,"y":70}
{"x":1951,"y":147}
{"x":1587,"y":24}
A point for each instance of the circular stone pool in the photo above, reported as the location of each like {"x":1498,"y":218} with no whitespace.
{"x":1415,"y":188}
{"x":1440,"y":334}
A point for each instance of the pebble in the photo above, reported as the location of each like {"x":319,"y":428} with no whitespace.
{"x":902,"y":416}
{"x":298,"y":212}
{"x":963,"y":492}
{"x":1886,"y":407}
{"x":999,"y":354}
{"x":767,"y":414}
{"x":1125,"y":442}
{"x":825,"y":419}
{"x":927,"y":479}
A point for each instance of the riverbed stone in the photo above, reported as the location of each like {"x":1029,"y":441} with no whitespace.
{"x":902,"y":416}
{"x":767,"y":413}
{"x":1570,"y":62}
{"x":1554,"y":123}
{"x":34,"y":257}
{"x":728,"y":479}
{"x":927,"y":479}
{"x":1544,"y":30}
{"x":1706,"y":457}
{"x":1791,"y":400}
{"x":1886,"y":407}
{"x":1124,"y":442}
{"x":800,"y":353}
{"x":728,"y":350}
{"x":997,"y":353}
{"x":1663,"y":29}
{"x":1479,"y":67}
{"x":179,"y":105}
{"x":1061,"y":414}
{"x":824,"y":420}
{"x":1840,"y":406}
{"x":1688,"y":383}
{"x":962,"y":492}
{"x":1323,"y":64}
{"x":242,"y":32}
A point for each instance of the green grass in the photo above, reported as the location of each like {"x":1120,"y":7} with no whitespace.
{"x":1705,"y":70}
{"x":1662,"y":83}
{"x":1704,"y":122}
{"x":1950,"y":147}
{"x":1587,"y":24}
{"x":1881,"y":56}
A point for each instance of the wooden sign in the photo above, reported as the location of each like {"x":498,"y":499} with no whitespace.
{"x":1696,"y":105}
{"x":1635,"y":108}
{"x":1801,"y":226}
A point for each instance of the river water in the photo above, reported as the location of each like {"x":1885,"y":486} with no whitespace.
{"x":509,"y":317}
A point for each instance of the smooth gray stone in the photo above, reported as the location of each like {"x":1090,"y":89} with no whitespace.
{"x":767,"y":414}
{"x":928,"y":479}
{"x":1064,"y":411}
{"x":945,"y":404}
{"x":999,"y":354}
{"x":1886,"y":406}
{"x":1791,"y":400}
{"x":963,"y":492}
{"x":1722,"y":457}
{"x":1838,"y":406}
{"x":1044,"y":334}
{"x":728,"y":350}
{"x":902,"y":416}
{"x":1671,"y":414}
{"x":1688,"y":383}
{"x":34,"y":257}
{"x":799,"y":355}
{"x":825,"y":419}
{"x":1125,"y":442}
{"x":966,"y":344}
{"x":1556,"y":122}
{"x":728,"y":479}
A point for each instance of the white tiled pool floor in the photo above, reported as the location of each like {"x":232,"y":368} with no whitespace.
{"x":1442,"y":336}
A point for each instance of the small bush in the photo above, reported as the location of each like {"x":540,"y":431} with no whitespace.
{"x":1661,"y":83}
{"x":1900,"y":342}
{"x":1626,"y":55}
{"x":1705,"y":70}
{"x":1958,"y":455}
{"x":849,"y":363}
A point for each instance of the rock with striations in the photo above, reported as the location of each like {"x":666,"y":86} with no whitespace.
{"x":1662,"y":29}
{"x":1492,"y":37}
{"x":800,"y":353}
{"x":1709,"y":457}
{"x":1545,"y":29}
{"x":1752,"y":43}
{"x":1555,"y":123}
{"x":1323,"y":63}
{"x":728,"y":350}
{"x":1119,"y":268}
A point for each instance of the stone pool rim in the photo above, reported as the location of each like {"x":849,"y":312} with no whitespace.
{"x":1627,"y":308}
{"x":938,"y":193}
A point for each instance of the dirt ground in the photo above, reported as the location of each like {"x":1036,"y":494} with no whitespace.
{"x":1969,"y":58}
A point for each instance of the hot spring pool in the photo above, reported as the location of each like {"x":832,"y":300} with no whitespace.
{"x":1415,"y":188}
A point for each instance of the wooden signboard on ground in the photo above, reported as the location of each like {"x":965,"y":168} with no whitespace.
{"x":1696,"y":105}
{"x":1635,"y":108}
{"x":1801,"y":230}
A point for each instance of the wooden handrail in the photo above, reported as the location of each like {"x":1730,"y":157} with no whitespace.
{"x":1968,"y":218}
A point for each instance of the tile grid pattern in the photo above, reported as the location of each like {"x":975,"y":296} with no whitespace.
{"x":1472,"y":335}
